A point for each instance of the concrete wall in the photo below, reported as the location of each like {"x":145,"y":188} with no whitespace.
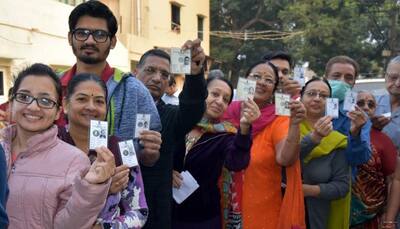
{"x":36,"y":31}
{"x":154,"y":21}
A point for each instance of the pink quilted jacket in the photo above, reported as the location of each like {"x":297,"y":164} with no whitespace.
{"x":46,"y":185}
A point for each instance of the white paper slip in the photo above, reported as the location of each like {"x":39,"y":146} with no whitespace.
{"x":282,"y":104}
{"x":128,"y":153}
{"x":245,"y":89}
{"x":332,"y":107}
{"x":387,"y":115}
{"x":189,"y":185}
{"x":142,"y":123}
{"x":299,"y":75}
{"x":180,"y":61}
{"x":350,"y":101}
{"x":98,"y":134}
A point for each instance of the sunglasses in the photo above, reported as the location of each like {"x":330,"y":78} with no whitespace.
{"x":371,"y":104}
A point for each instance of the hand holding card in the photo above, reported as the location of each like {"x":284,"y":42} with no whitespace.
{"x":246,"y":89}
{"x":180,"y":61}
{"x":188,"y":186}
{"x":282,"y":104}
{"x":102,"y":168}
{"x":142,"y":123}
{"x":350,"y":100}
{"x":128,"y":153}
{"x":299,"y":75}
{"x":198,"y":55}
{"x":332,"y":107}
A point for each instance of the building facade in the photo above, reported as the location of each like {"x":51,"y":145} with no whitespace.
{"x":36,"y":31}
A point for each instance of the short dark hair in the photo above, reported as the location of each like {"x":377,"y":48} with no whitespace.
{"x":342,"y":60}
{"x":313,"y":80}
{"x":272,"y":55}
{"x":153,"y":52}
{"x":212,"y":78}
{"x":93,"y":9}
{"x":84,"y":77}
{"x":38,"y":70}
{"x":274,"y":69}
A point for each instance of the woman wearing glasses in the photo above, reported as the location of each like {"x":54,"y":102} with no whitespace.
{"x":85,"y":100}
{"x":370,"y":189}
{"x":52,"y":184}
{"x":275,"y":146}
{"x":326,"y":174}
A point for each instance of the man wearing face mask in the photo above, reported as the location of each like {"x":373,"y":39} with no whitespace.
{"x":341,"y":72}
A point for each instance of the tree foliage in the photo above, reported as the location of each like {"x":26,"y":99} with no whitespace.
{"x":359,"y":29}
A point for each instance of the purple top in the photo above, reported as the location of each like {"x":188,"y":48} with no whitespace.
{"x":204,"y":161}
{"x":126,"y":209}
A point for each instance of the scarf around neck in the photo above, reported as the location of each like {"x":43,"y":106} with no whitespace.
{"x":232,"y":114}
{"x":340,"y":208}
{"x":335,"y":140}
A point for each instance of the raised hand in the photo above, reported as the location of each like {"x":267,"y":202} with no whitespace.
{"x":249,"y":112}
{"x":198,"y":56}
{"x":151,"y":142}
{"x":379,"y":122}
{"x":297,"y":112}
{"x":291,"y":87}
{"x":120,"y":179}
{"x":358,"y":118}
{"x":322,"y":128}
{"x":102,"y":168}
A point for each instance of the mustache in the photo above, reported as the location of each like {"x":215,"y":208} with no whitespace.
{"x":89,"y":46}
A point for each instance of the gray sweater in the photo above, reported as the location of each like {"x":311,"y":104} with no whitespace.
{"x":332,"y":173}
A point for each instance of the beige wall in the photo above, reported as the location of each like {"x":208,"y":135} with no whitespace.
{"x":150,"y":26}
{"x":36,"y":31}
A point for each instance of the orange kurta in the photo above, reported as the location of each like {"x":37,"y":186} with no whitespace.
{"x":262,"y":196}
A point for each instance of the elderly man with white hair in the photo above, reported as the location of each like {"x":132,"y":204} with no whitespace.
{"x":388,"y":113}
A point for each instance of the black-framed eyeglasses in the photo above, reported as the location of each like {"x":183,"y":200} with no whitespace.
{"x":153,"y":70}
{"x":371,"y":104}
{"x":98,"y":35}
{"x":42,"y":102}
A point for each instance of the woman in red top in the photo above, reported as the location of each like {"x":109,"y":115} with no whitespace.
{"x":369,"y":191}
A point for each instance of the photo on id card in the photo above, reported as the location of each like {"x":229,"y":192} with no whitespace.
{"x":299,"y":75}
{"x":180,"y":61}
{"x":142,"y":123}
{"x":282,"y":104}
{"x":128,"y":153}
{"x":350,"y":100}
{"x":332,"y":107}
{"x":98,"y":134}
{"x":245,"y":89}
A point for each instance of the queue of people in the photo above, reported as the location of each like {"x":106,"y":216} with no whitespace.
{"x":253,"y":168}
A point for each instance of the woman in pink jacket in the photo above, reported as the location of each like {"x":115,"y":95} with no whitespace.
{"x":52,"y":184}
